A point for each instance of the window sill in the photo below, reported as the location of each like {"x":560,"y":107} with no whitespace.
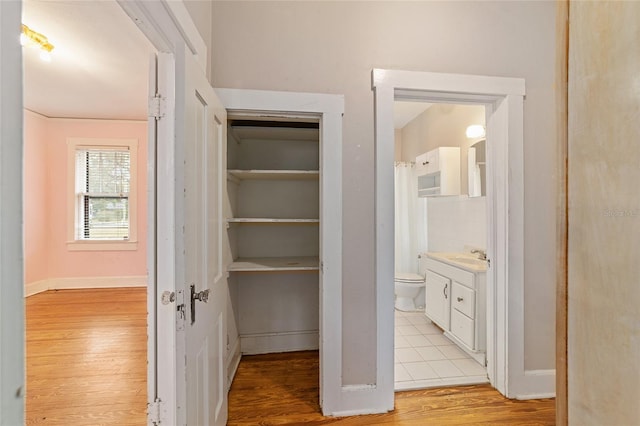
{"x":102,"y":245}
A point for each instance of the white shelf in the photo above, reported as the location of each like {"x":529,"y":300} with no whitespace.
{"x":434,"y":190}
{"x":270,"y":220}
{"x":274,"y":174}
{"x":264,"y":264}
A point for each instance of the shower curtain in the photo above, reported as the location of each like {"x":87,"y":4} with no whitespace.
{"x":410,"y":219}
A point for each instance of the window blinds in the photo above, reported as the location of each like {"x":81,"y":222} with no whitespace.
{"x":103,"y":177}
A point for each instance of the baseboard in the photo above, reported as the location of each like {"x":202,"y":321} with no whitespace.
{"x":264,"y":343}
{"x":84,"y":282}
{"x":233,"y":361}
{"x":36,"y":287}
{"x":357,"y":400}
{"x":537,"y":384}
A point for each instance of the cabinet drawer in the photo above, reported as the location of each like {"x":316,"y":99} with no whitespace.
{"x":464,"y":300}
{"x":463,"y":328}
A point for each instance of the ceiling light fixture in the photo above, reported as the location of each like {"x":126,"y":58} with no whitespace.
{"x":30,"y":36}
{"x":475,"y":131}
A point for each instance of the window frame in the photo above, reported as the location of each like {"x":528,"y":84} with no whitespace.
{"x":76,"y":144}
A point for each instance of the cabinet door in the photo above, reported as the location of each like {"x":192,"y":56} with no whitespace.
{"x":428,"y":162}
{"x":438,"y":300}
{"x":433,"y":161}
{"x":421,"y":164}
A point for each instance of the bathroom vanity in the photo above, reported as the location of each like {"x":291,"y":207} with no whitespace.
{"x":455,"y":293}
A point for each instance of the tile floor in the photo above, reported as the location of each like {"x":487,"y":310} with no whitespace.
{"x":425,"y":358}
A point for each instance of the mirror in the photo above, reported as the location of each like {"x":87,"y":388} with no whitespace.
{"x":477,"y":169}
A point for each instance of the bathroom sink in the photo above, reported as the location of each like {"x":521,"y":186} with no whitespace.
{"x":468,"y":260}
{"x":462,"y":260}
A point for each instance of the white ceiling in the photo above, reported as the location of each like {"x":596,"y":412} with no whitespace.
{"x":99,"y":66}
{"x":405,"y":111}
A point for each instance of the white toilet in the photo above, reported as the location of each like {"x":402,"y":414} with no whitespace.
{"x":409,"y":290}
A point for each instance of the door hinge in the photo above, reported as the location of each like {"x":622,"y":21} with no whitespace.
{"x":154,"y":414}
{"x":157,"y":106}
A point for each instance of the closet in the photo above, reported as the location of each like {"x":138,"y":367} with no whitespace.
{"x":273,"y":227}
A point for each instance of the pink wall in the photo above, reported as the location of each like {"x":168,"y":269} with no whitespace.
{"x":60,"y":262}
{"x":35,"y":197}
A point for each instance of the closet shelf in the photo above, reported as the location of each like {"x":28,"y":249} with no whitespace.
{"x":270,"y":220}
{"x":274,"y":174}
{"x":263,"y":264}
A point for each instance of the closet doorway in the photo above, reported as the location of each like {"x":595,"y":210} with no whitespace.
{"x":273,"y":234}
{"x":284,"y":216}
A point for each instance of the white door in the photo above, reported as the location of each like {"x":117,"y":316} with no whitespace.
{"x":205,"y":283}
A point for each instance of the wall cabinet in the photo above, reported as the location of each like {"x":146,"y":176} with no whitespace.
{"x":438,"y":172}
{"x":458,"y":304}
{"x":273,"y":233}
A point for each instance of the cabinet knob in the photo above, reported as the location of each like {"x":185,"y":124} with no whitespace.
{"x":460,"y":299}
{"x":425,"y":163}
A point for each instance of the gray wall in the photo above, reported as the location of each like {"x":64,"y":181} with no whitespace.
{"x":201,"y":14}
{"x":604,"y":214}
{"x":331,"y":47}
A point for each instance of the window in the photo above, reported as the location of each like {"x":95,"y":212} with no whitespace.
{"x":103,"y":188}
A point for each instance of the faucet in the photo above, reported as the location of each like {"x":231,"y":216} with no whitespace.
{"x":482,"y":255}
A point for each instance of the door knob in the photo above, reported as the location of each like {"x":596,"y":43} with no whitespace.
{"x":168,"y":297}
{"x":202,"y":296}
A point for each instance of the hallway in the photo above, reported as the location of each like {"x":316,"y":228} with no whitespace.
{"x":282,"y":388}
{"x":86,"y":365}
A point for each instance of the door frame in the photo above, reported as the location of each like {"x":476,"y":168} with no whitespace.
{"x":12,"y":324}
{"x":504,"y":102}
{"x":329,"y":110}
{"x":169,"y":27}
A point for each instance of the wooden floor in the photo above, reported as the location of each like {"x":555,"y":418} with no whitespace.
{"x":87,"y":357}
{"x":283,"y":389}
{"x":86,"y":365}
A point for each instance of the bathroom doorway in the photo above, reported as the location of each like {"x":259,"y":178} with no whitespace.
{"x":503,"y":99}
{"x":440,"y":208}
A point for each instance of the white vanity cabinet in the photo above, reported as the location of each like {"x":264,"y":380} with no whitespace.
{"x":437,"y":294}
{"x":438,"y":172}
{"x":455,"y":300}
